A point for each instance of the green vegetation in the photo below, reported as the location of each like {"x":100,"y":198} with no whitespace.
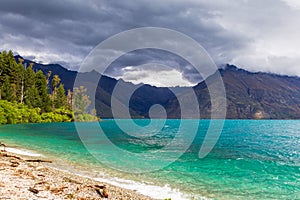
{"x":25,"y":96}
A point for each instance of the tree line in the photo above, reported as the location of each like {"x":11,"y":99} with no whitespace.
{"x":29,"y":96}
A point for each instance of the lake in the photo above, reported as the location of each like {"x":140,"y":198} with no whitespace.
{"x":253,"y":159}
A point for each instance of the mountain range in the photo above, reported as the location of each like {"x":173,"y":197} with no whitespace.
{"x":248,"y":95}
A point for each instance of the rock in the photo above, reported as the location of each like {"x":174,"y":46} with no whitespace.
{"x":40,"y":174}
{"x":66,"y":179}
{"x":20,"y":171}
{"x":15,"y":164}
{"x":33,"y":190}
{"x":40,"y":168}
{"x":58,"y":190}
{"x":100,"y":186}
{"x":41,"y":182}
{"x":70,"y":196}
{"x":55,"y":190}
{"x":102,"y":192}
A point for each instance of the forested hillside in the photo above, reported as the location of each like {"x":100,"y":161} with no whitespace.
{"x":26,"y":97}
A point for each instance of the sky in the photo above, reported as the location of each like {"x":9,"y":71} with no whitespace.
{"x":256,"y":35}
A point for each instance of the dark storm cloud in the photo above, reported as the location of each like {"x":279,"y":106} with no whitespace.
{"x":257,"y":35}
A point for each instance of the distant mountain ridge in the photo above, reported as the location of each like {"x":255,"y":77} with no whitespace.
{"x":249,"y":95}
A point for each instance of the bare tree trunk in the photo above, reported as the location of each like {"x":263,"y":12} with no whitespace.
{"x":22,"y":91}
{"x":53,"y":97}
{"x":0,"y":87}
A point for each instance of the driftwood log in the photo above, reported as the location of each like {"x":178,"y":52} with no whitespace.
{"x":11,"y":156}
{"x":39,"y":160}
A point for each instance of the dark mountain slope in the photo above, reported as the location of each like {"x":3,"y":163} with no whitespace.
{"x":143,"y":98}
{"x":261,"y":95}
{"x":249,"y":95}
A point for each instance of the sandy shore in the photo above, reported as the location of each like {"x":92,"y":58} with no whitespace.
{"x":25,"y":177}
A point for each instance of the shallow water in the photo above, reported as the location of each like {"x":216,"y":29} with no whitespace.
{"x":252,"y":159}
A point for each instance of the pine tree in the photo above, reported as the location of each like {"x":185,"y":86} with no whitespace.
{"x":7,"y":65}
{"x":33,"y":99}
{"x":29,"y":77}
{"x":7,"y":90}
{"x":41,"y":85}
{"x":10,"y":68}
{"x":60,"y":100}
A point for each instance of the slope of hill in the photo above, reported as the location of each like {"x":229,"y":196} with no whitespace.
{"x":252,"y":95}
{"x":249,"y":95}
{"x":261,"y":95}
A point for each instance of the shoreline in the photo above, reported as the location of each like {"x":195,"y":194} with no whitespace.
{"x":132,"y":189}
{"x":28,"y":177}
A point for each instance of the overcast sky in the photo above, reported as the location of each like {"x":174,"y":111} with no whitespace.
{"x":257,"y":35}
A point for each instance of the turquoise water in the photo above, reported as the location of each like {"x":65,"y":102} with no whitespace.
{"x":252,"y":159}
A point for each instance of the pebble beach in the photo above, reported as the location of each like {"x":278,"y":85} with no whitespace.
{"x":25,"y":177}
